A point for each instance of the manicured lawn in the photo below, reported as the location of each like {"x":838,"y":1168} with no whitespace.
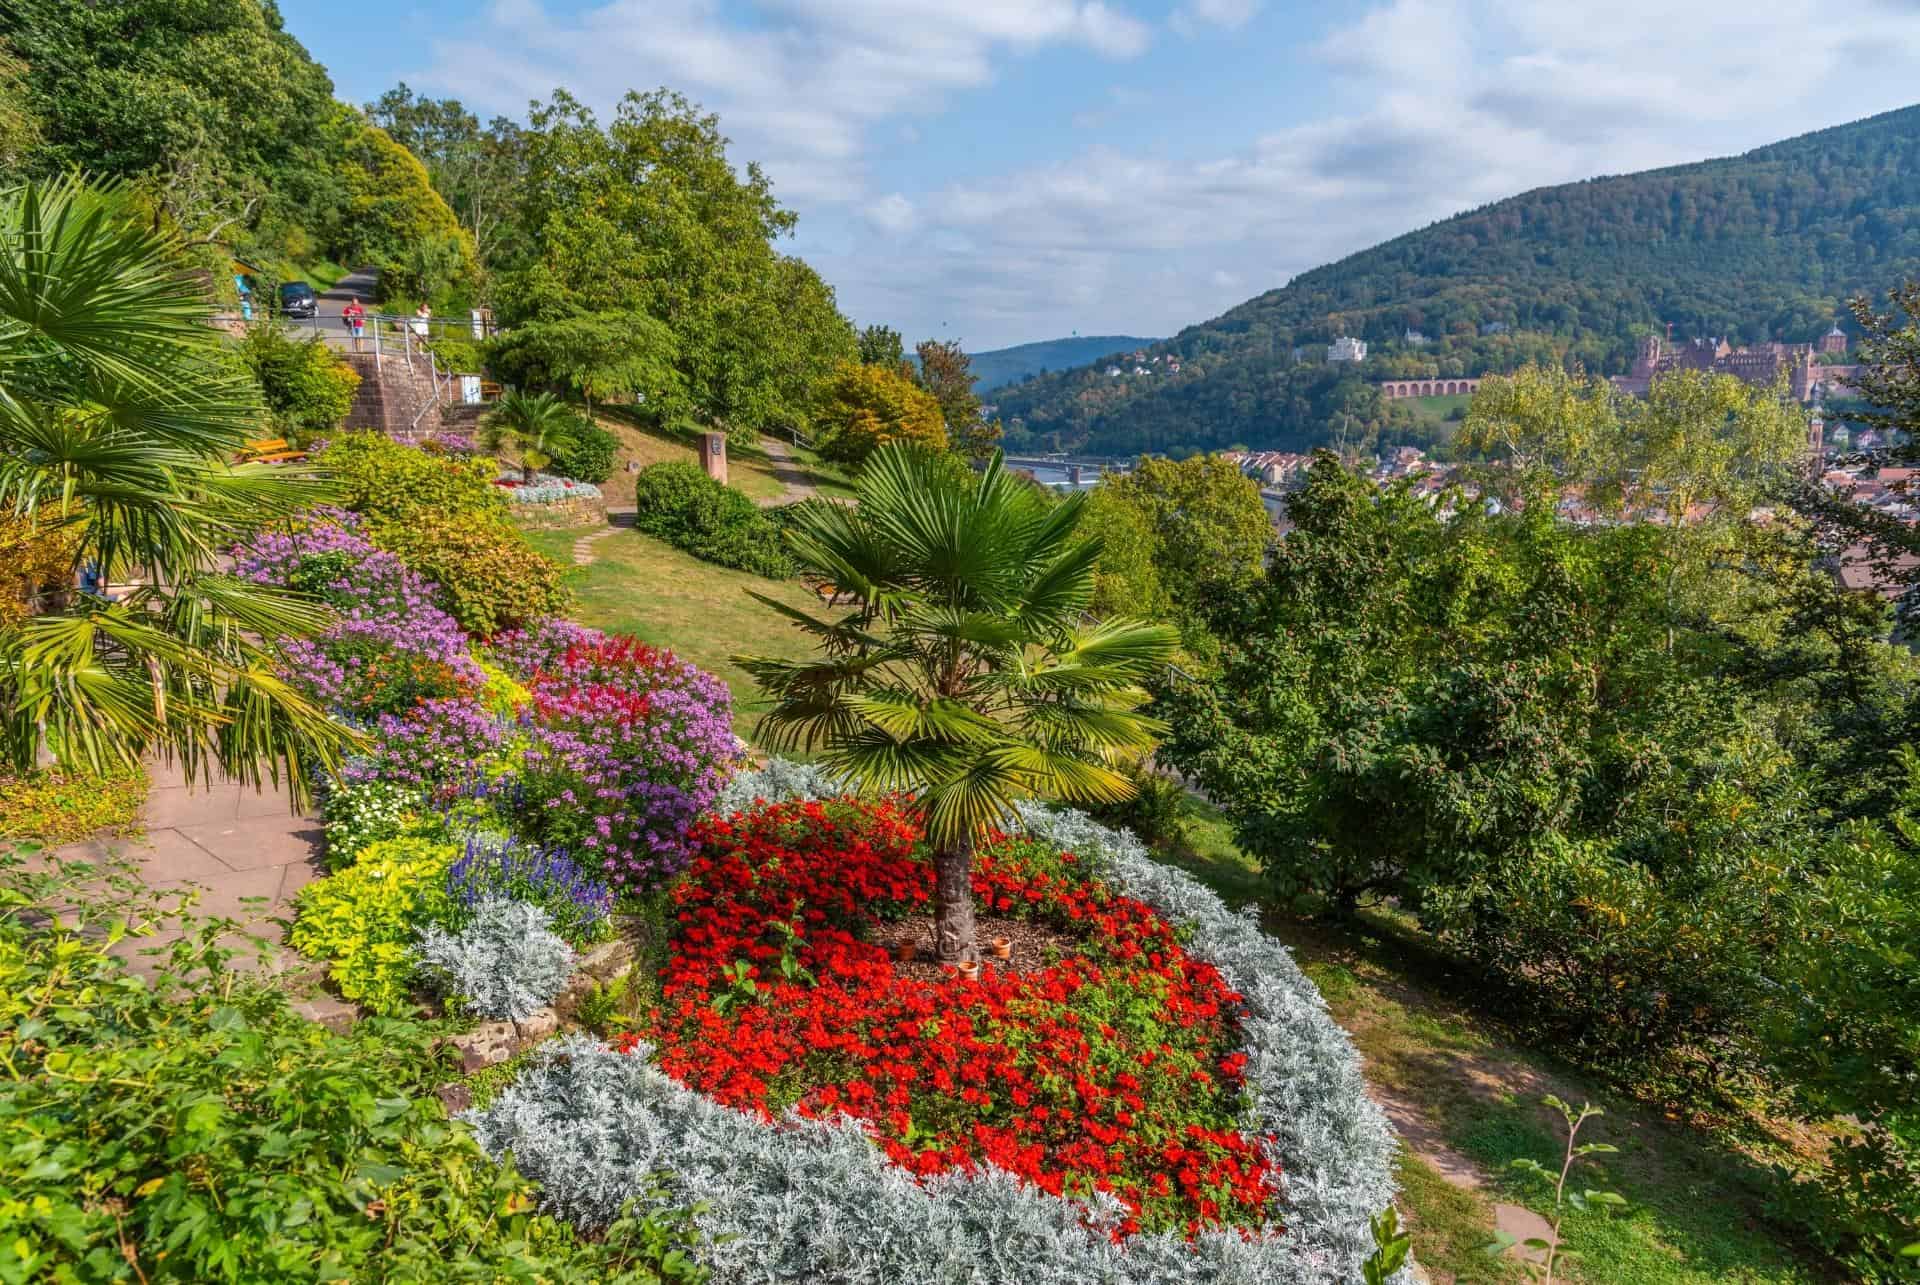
{"x":640,"y":586}
{"x":749,"y":469}
{"x":1464,"y":1092}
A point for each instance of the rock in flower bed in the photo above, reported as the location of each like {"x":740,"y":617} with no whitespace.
{"x":815,"y":1198}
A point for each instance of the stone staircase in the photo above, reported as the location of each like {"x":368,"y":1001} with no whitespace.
{"x":395,"y":397}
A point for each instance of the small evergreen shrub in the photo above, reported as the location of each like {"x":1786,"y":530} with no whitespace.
{"x":307,"y":388}
{"x":586,"y":456}
{"x":505,"y":962}
{"x":363,"y":920}
{"x":388,"y":482}
{"x":680,"y":504}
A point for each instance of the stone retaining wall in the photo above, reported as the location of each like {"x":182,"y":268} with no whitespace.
{"x":585,"y":511}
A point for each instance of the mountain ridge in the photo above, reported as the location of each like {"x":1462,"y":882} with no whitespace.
{"x":1762,"y":245}
{"x":998,"y":367}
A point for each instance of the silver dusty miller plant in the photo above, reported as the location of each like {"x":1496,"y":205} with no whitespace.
{"x":506,"y":963}
{"x":816,"y":1201}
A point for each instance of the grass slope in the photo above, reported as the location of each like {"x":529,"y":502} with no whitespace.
{"x":641,"y":586}
{"x":749,"y":469}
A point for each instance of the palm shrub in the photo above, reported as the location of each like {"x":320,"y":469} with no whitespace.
{"x":120,"y":407}
{"x":530,"y":427}
{"x":963,"y":669}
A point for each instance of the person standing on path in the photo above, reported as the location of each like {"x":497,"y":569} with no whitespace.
{"x":421,"y":316}
{"x":354,"y":318}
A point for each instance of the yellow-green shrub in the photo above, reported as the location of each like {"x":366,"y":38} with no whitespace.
{"x":363,"y":920}
{"x":492,"y":578}
{"x":61,"y":807}
{"x":502,"y":693}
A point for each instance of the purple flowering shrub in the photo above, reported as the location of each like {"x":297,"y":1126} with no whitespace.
{"x":540,"y":646}
{"x":393,"y":645}
{"x":446,"y":749}
{"x":627,"y":744}
{"x":493,"y":869}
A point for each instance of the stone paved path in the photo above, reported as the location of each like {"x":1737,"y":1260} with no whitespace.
{"x":788,"y":471}
{"x":246,"y":852}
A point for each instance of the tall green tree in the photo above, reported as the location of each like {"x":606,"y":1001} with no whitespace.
{"x":963,"y":670}
{"x":475,"y":167}
{"x":647,"y":213}
{"x":119,"y":409}
{"x":946,"y":373}
{"x":606,"y":355}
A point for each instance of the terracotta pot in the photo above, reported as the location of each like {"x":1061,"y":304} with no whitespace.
{"x":970,"y":970}
{"x":1001,"y":947}
{"x":906,"y":952}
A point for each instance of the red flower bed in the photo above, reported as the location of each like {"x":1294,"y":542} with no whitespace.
{"x":1112,"y":1069}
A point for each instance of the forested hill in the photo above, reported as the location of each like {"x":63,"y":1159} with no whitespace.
{"x":1760,"y":246}
{"x":999,"y":367}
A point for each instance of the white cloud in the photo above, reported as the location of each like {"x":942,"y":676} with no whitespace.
{"x":1414,"y":110}
{"x":1231,"y":14}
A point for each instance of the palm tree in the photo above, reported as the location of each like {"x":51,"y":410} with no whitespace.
{"x":965,"y":671}
{"x":120,"y":408}
{"x":531,"y":427}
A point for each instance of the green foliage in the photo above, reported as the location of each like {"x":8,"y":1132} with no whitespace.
{"x":612,"y":355}
{"x":961,"y":670}
{"x":881,"y":346}
{"x":1390,"y":1248}
{"x":389,"y":483}
{"x":1553,"y":1252}
{"x":648,"y":217}
{"x":865,"y":407}
{"x":1209,"y":532}
{"x":492,"y":579}
{"x":305,"y":387}
{"x":391,"y":217}
{"x":1000,"y":367}
{"x":1574,"y":272}
{"x":358,"y":814}
{"x":1126,"y":579}
{"x":528,"y":428}
{"x":195,"y":1129}
{"x":123,"y":407}
{"x":677,"y":502}
{"x":64,"y":807}
{"x":1849,"y":1033}
{"x":587,"y":455}
{"x":610,"y":1008}
{"x":363,"y":920}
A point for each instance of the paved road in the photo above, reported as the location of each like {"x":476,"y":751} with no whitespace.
{"x":326,"y":322}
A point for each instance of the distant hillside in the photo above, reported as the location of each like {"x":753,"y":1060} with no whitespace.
{"x":1002,"y":366}
{"x":1753,"y":247}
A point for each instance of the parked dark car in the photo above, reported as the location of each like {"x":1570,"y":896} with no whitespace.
{"x":297,"y":299}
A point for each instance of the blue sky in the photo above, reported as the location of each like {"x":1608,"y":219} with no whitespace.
{"x":1010,"y":170}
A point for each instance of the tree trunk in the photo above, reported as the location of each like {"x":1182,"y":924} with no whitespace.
{"x":953,"y":930}
{"x":526,"y":474}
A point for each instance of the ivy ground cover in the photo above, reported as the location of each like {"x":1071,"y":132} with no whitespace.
{"x":1114,"y":1069}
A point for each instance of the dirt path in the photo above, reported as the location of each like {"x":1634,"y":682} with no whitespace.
{"x":788,"y":471}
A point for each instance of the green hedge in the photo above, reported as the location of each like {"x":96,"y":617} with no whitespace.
{"x":587,"y":456}
{"x":680,"y":504}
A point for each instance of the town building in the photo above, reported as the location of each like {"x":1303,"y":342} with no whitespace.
{"x":1760,"y":364}
{"x":1347,"y":348}
{"x":1834,"y":342}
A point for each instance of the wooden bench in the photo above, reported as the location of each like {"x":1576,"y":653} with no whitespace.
{"x":273,"y":450}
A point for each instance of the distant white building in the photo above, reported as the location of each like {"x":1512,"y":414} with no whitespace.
{"x":1346,"y":348}
{"x":1414,"y":338}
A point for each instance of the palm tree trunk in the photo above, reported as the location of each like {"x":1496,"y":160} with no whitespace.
{"x":526,"y":473}
{"x":953,"y":929}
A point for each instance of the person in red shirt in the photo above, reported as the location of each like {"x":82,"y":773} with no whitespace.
{"x":354,"y":318}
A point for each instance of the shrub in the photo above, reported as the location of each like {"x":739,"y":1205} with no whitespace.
{"x":363,"y":920}
{"x":306,"y":388}
{"x":863,"y":407}
{"x":505,"y":962}
{"x":547,"y":489}
{"x":388,"y":482}
{"x":492,"y":578}
{"x":627,"y":745}
{"x":587,"y":454}
{"x":39,"y":555}
{"x":579,"y":906}
{"x":680,"y":504}
{"x":356,"y":814}
{"x":55,"y":806}
{"x":192,"y":1128}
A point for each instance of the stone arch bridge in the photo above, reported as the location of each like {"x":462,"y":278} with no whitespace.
{"x":1396,"y":388}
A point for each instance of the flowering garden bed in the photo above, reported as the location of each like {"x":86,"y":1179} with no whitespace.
{"x":838,"y":1186}
{"x":1148,"y":1091}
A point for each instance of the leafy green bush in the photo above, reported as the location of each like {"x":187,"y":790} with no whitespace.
{"x":491,"y":577}
{"x":586,"y":455}
{"x":194,"y":1129}
{"x":306,"y":388}
{"x":363,"y":920}
{"x":680,"y":504}
{"x":61,"y":807}
{"x":388,"y":482}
